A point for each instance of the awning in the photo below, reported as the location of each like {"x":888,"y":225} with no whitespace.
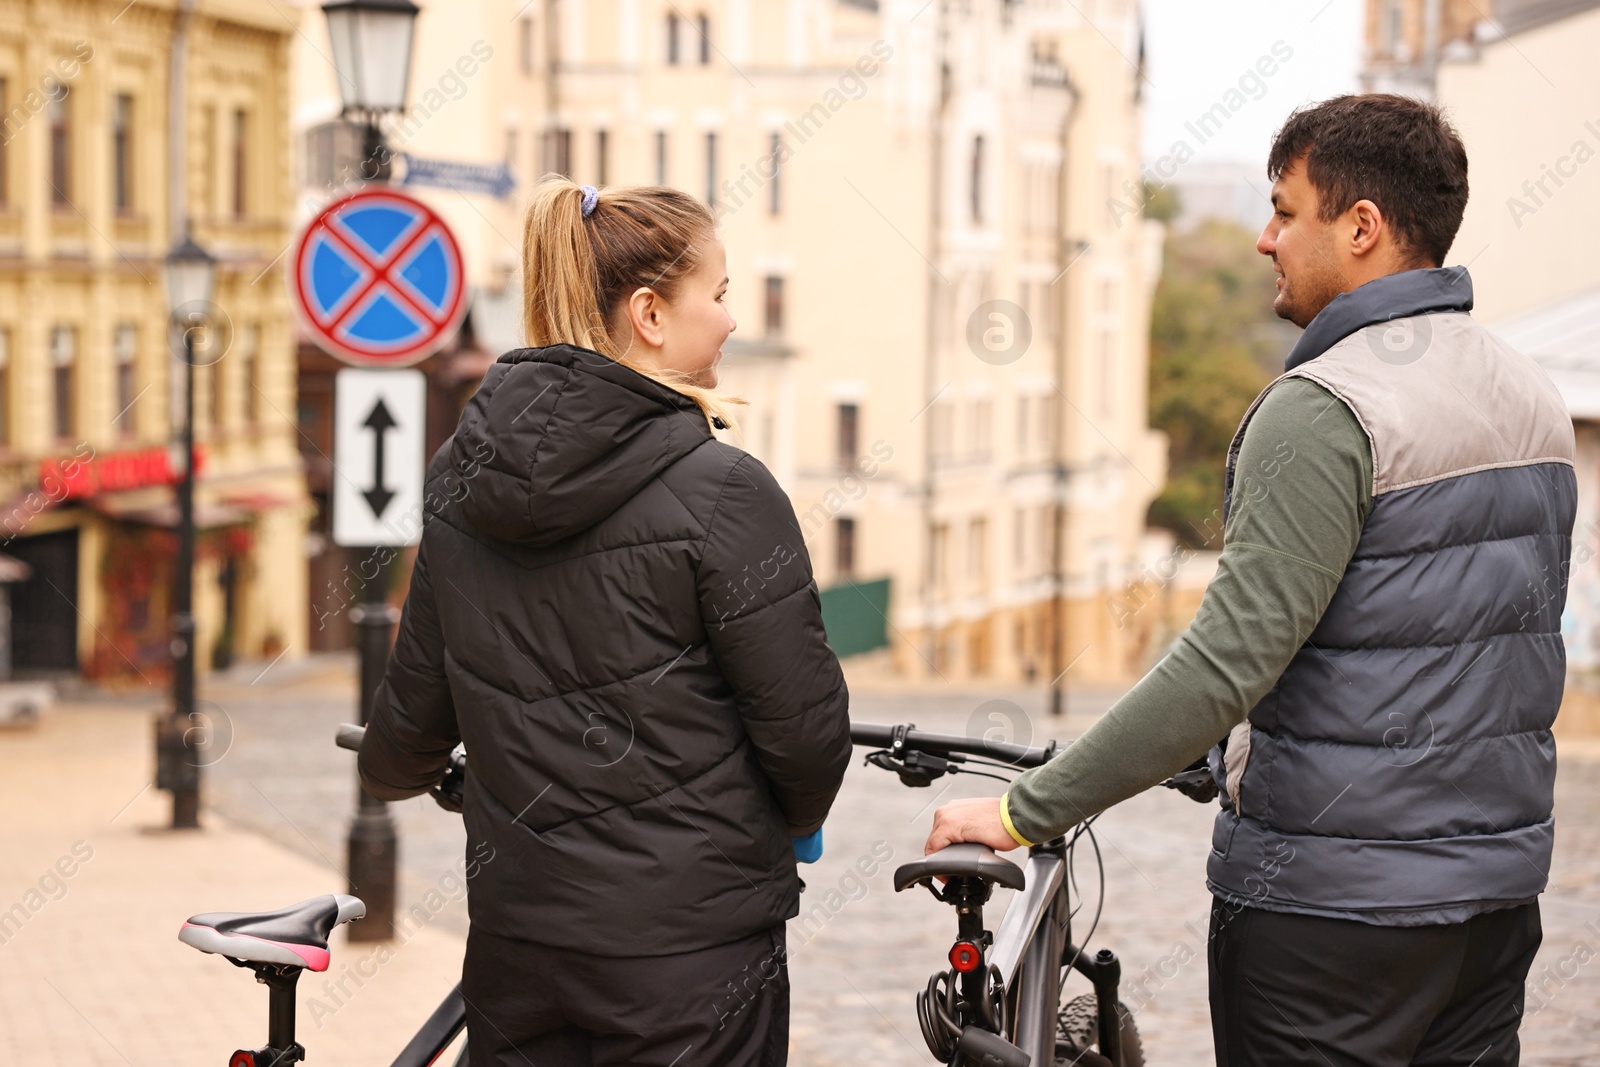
{"x":163,"y":513}
{"x":1563,"y":337}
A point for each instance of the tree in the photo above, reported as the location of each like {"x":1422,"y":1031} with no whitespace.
{"x":1214,"y":345}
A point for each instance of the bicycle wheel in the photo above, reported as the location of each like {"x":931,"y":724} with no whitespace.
{"x":1078,"y":1035}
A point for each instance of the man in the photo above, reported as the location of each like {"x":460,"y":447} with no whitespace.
{"x":1386,"y":611}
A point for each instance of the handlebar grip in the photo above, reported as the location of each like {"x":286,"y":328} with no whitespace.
{"x":349,"y":736}
{"x":871,"y":733}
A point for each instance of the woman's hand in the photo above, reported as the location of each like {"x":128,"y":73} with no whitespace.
{"x":975,"y":819}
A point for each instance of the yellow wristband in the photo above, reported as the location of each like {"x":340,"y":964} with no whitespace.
{"x":1005,"y":818}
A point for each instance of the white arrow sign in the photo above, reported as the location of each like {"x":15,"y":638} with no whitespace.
{"x":378,"y":456}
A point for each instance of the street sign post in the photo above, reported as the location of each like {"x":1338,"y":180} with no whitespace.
{"x":378,"y":280}
{"x":378,"y":457}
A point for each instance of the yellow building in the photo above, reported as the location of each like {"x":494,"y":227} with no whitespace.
{"x":122,"y":123}
{"x":943,"y":320}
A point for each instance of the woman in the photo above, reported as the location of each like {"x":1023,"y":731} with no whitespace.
{"x":615,"y":612}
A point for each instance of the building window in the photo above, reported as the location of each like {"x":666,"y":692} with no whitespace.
{"x":774,"y":306}
{"x":661,"y":157}
{"x":844,"y":548}
{"x":1019,"y":542}
{"x":982,"y":425}
{"x":208,"y":392}
{"x":6,"y":134}
{"x":61,"y":149}
{"x":241,"y":131}
{"x":978,"y":550}
{"x":559,"y":143}
{"x":602,"y":156}
{"x":1108,"y":371}
{"x":774,"y":187}
{"x":63,"y":354}
{"x":525,"y":36}
{"x":333,"y":154}
{"x":711,"y":169}
{"x":938,"y":555}
{"x":1022,"y":427}
{"x":249,"y":371}
{"x":125,"y":347}
{"x":849,"y":434}
{"x":977,"y":179}
{"x":672,"y":38}
{"x":703,"y":24}
{"x":5,"y":386}
{"x":1390,"y":23}
{"x":121,"y":153}
{"x":511,"y":150}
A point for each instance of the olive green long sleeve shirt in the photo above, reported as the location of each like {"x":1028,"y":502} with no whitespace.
{"x":1301,"y":494}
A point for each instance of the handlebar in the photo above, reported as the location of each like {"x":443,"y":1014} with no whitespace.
{"x":349,"y":736}
{"x":898,"y":739}
{"x":448,"y":793}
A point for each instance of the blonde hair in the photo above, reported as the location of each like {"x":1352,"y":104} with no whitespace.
{"x":576,"y":271}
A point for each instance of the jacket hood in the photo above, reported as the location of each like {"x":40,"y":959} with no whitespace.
{"x":561,"y":437}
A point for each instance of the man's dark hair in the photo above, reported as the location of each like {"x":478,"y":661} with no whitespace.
{"x":1397,"y":152}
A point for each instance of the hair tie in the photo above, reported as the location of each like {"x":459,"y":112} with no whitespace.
{"x":591,"y":197}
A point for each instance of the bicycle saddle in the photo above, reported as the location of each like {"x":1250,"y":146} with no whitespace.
{"x":296,"y":936}
{"x":964,"y":860}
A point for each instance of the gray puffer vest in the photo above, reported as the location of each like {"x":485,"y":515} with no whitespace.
{"x":1401,"y":772}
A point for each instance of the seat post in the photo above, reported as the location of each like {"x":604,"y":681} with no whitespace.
{"x":280,"y":1008}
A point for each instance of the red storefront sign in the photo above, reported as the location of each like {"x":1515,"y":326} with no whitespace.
{"x":67,"y":477}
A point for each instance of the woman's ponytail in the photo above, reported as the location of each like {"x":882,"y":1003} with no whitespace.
{"x":577,"y":268}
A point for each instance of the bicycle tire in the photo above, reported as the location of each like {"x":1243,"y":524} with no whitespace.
{"x":1078,"y":1032}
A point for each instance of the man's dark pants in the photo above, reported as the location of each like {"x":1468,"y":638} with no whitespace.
{"x":1301,"y":989}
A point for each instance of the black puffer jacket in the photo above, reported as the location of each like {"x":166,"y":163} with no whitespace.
{"x":616,"y":613}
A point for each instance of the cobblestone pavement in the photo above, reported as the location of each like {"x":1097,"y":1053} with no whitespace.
{"x":861,"y":951}
{"x":97,"y":978}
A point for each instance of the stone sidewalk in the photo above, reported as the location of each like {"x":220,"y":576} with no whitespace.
{"x":93,"y":972}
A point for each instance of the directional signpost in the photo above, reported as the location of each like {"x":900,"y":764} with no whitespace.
{"x":378,"y":443}
{"x":377,"y":279}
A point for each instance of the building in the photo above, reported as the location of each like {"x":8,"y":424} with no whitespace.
{"x":942,"y":322}
{"x":1406,"y":39}
{"x":122,"y":124}
{"x":1522,"y":95}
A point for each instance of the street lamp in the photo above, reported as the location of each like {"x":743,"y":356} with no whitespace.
{"x":190,"y":274}
{"x":372,"y":59}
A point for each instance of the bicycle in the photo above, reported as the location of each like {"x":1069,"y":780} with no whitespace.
{"x":279,"y":945}
{"x":999,"y":1004}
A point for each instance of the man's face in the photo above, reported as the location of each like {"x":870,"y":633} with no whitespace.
{"x":1302,"y":248}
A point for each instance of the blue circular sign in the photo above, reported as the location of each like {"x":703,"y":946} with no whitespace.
{"x":377,"y":277}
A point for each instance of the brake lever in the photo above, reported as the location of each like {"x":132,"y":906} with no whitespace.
{"x":450,"y":793}
{"x":916,"y":769}
{"x":1197,"y":785}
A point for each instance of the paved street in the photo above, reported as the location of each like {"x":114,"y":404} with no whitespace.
{"x":97,"y":977}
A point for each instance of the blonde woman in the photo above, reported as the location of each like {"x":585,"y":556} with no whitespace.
{"x":615,"y":612}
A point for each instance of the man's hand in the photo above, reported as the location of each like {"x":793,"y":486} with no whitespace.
{"x":975,"y":819}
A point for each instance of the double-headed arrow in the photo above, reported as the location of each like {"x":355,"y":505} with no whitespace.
{"x":378,"y":421}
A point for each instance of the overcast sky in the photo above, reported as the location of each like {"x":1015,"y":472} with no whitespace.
{"x":1197,"y":51}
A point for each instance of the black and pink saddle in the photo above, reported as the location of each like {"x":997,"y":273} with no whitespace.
{"x":296,"y":936}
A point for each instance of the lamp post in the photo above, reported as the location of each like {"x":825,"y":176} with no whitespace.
{"x":372,"y":58}
{"x":190,"y":274}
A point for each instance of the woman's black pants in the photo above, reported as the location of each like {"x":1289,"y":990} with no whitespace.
{"x":726,"y":1006}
